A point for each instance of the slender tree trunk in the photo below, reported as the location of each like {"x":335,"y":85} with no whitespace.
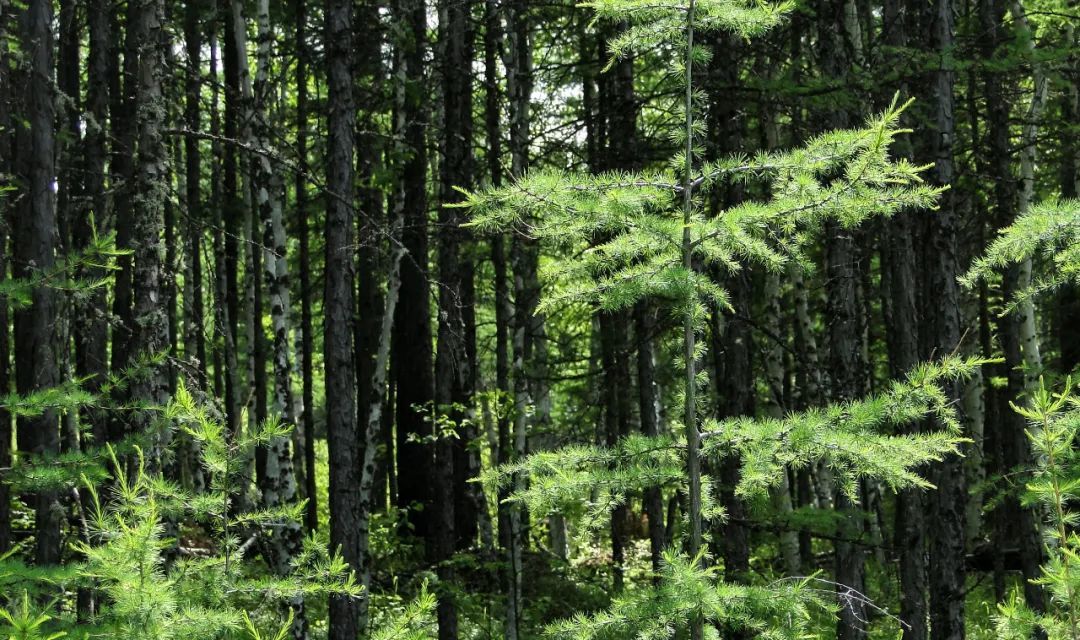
{"x":151,"y":193}
{"x":900,"y":303}
{"x":195,"y":342}
{"x":613,"y":349}
{"x":7,"y":153}
{"x":693,"y":437}
{"x":415,"y":387}
{"x":90,"y":326}
{"x":493,"y":42}
{"x":35,"y":342}
{"x":373,"y":421}
{"x":649,"y":410}
{"x":343,"y":441}
{"x":518,"y":64}
{"x":942,"y":335}
{"x":455,"y":511}
{"x":1017,"y":524}
{"x":371,"y":221}
{"x":279,"y":480}
{"x":123,"y":123}
{"x":845,"y":323}
{"x":307,"y":349}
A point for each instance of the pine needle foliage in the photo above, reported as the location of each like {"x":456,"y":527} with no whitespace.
{"x":630,"y":228}
{"x":69,"y":273}
{"x":629,"y":236}
{"x":152,"y":585}
{"x":778,"y":611}
{"x":1049,"y":233}
{"x":1053,"y":429}
{"x":855,"y":439}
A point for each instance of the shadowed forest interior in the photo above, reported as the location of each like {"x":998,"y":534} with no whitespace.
{"x":510,"y":319}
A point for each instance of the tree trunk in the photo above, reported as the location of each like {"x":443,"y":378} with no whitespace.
{"x":8,"y":210}
{"x":453,"y":388}
{"x":942,"y":335}
{"x":415,"y":387}
{"x":649,"y":410}
{"x":195,"y":342}
{"x":342,"y":436}
{"x":518,"y":64}
{"x":231,"y":213}
{"x":151,"y":192}
{"x":307,"y":348}
{"x":35,"y":342}
{"x":1015,"y":522}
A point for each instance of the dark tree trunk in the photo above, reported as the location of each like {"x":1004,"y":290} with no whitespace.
{"x":342,"y":433}
{"x":649,"y":411}
{"x":1015,"y":524}
{"x":613,"y":349}
{"x":151,"y":192}
{"x":455,"y":511}
{"x":122,"y":96}
{"x":941,"y":334}
{"x":90,"y":326}
{"x":193,"y":299}
{"x":845,"y":312}
{"x":371,"y":221}
{"x":307,"y":348}
{"x":731,"y":347}
{"x":523,"y":263}
{"x":231,"y":212}
{"x":35,"y":341}
{"x":7,"y":151}
{"x":412,"y":326}
{"x":732,"y":353}
{"x":900,"y":304}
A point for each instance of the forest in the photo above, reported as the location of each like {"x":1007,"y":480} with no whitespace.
{"x":513,"y":319}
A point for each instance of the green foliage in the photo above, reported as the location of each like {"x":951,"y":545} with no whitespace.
{"x":590,"y":481}
{"x":854,"y":439}
{"x":151,"y":585}
{"x":630,"y":226}
{"x":1053,"y":427}
{"x":1049,"y":230}
{"x":779,"y":611}
{"x":69,"y":272}
{"x":25,"y":623}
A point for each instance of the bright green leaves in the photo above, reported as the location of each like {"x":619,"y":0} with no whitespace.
{"x":655,"y":23}
{"x":1053,"y":426}
{"x":1049,"y":230}
{"x":622,"y":232}
{"x":854,"y":439}
{"x":779,"y":611}
{"x":590,"y":481}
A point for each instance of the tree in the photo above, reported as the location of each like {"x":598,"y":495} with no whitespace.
{"x":34,"y":252}
{"x":337,"y":309}
{"x":651,"y":255}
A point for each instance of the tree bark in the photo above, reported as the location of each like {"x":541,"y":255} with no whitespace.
{"x":36,"y":354}
{"x":343,"y":441}
{"x":415,"y":386}
{"x":307,"y":348}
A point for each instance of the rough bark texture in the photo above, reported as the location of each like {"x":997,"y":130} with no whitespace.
{"x":415,"y":386}
{"x":518,"y":64}
{"x":307,"y":348}
{"x":337,"y":309}
{"x":455,"y":513}
{"x":942,"y":335}
{"x":34,"y":250}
